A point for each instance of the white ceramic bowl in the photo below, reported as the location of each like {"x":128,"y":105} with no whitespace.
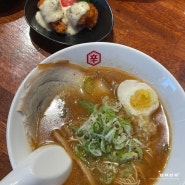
{"x":132,"y":61}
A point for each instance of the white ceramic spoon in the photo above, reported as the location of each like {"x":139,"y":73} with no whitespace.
{"x":48,"y":165}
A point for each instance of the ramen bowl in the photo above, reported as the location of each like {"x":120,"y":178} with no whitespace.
{"x":134,"y":62}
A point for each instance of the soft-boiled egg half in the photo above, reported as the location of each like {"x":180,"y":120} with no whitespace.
{"x":138,"y":98}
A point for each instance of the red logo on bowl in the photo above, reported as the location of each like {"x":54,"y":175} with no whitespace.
{"x":93,"y":58}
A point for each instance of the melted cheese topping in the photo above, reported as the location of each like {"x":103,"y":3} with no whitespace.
{"x":52,"y":11}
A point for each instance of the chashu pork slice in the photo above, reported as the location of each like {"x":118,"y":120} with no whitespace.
{"x":42,"y":86}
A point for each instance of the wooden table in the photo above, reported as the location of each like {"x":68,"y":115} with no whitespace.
{"x":156,"y":27}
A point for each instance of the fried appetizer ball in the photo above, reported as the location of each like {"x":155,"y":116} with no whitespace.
{"x":59,"y":26}
{"x":89,"y":19}
{"x":40,"y":2}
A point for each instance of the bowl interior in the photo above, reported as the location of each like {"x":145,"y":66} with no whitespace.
{"x":132,"y":61}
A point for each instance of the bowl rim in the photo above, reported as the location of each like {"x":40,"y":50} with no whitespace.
{"x":80,"y":46}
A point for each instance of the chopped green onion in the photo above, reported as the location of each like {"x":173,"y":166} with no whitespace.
{"x":94,"y":148}
{"x":126,"y":171}
{"x":107,"y":135}
{"x":107,"y":173}
{"x":128,"y":156}
{"x":139,"y":151}
{"x":98,"y":127}
{"x":88,"y":105}
{"x":126,"y":125}
{"x":110,"y":135}
{"x":88,"y":85}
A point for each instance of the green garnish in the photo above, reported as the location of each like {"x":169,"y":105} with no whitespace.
{"x":88,"y":85}
{"x":106,"y":134}
{"x":88,"y":105}
{"x":109,"y":136}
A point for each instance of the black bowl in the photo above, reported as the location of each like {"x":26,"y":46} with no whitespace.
{"x":99,"y":32}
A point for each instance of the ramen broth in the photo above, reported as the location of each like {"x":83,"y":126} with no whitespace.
{"x":64,"y":113}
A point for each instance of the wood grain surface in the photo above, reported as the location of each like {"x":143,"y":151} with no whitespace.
{"x":156,"y":27}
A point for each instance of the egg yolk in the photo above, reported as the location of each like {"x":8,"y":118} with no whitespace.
{"x":141,"y":99}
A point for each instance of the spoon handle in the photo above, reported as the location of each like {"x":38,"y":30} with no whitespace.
{"x":48,"y":165}
{"x":19,"y":176}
